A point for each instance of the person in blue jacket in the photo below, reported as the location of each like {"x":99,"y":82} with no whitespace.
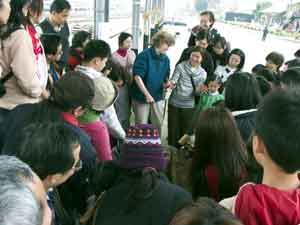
{"x":151,"y":71}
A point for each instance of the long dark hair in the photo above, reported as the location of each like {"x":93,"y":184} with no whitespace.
{"x":218,"y":143}
{"x":242,"y":92}
{"x":242,"y":56}
{"x":16,"y":19}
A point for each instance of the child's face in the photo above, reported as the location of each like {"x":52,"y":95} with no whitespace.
{"x":195,"y":59}
{"x":271,"y":66}
{"x":218,"y":49}
{"x":213,"y":86}
{"x":234,"y":61}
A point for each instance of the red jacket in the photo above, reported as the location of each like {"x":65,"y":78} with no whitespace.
{"x":258,"y":204}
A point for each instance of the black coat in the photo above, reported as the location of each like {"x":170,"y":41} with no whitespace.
{"x":159,"y":209}
{"x":246,"y":123}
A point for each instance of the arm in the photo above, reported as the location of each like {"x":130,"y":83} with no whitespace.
{"x":143,"y":88}
{"x":24,"y":66}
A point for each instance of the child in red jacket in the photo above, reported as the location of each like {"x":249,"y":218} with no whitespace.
{"x":276,"y":144}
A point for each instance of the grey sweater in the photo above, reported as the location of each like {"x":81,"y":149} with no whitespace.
{"x":183,"y":96}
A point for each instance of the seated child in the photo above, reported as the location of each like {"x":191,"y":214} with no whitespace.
{"x":105,"y":96}
{"x":275,"y":144}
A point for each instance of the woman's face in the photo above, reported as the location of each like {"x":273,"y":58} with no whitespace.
{"x":127,"y":43}
{"x":195,"y":59}
{"x":5,"y":11}
{"x":205,"y":22}
{"x":218,"y":49}
{"x":202,"y":43}
{"x":234,"y":61}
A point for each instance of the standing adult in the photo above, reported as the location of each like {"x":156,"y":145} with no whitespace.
{"x":18,"y":61}
{"x":56,"y":23}
{"x":151,"y":73}
{"x":207,"y":20}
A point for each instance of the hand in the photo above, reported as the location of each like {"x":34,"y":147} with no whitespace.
{"x":149,"y":99}
{"x":202,"y":89}
{"x":168,"y":84}
{"x":172,"y":85}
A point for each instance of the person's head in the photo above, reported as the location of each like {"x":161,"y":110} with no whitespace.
{"x":274,"y":61}
{"x":264,"y":85}
{"x":196,"y":56}
{"x":218,"y":142}
{"x":80,"y":39}
{"x":96,"y":53}
{"x":60,"y":11}
{"x":219,"y":45}
{"x":204,"y":212}
{"x":237,"y":59}
{"x":207,"y":20}
{"x":276,"y":138}
{"x":125,"y":40}
{"x":73,"y":93}
{"x":35,"y":11}
{"x":51,"y":150}
{"x":52,"y":44}
{"x":106,"y":93}
{"x":257,"y":68}
{"x":297,"y":53}
{"x":18,"y":15}
{"x":22,"y":195}
{"x":214,"y":83}
{"x":202,"y":39}
{"x":291,"y":78}
{"x":4,"y":11}
{"x":162,"y":40}
{"x":242,"y":92}
{"x":119,"y":75}
{"x":267,"y":74}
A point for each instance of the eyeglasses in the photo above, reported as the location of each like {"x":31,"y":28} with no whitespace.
{"x":77,"y":166}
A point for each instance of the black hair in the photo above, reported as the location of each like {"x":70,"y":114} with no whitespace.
{"x":276,"y":58}
{"x":203,"y":34}
{"x":218,"y":143}
{"x":297,"y":53}
{"x":197,"y":49}
{"x":51,"y":43}
{"x":59,"y":6}
{"x":257,"y":68}
{"x":122,"y":37}
{"x":212,"y":78}
{"x":291,"y":77}
{"x":264,"y":86}
{"x":37,"y":6}
{"x":119,"y":73}
{"x":242,"y":56}
{"x":220,"y":40}
{"x":242,"y":92}
{"x":96,"y":48}
{"x":267,"y":74}
{"x":79,"y":38}
{"x":47,"y":148}
{"x":204,"y":211}
{"x":223,"y":59}
{"x":16,"y":18}
{"x":277,"y":125}
{"x":211,"y":16}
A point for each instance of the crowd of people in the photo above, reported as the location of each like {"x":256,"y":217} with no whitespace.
{"x":80,"y":133}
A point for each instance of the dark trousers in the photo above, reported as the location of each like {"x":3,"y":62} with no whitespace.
{"x":179,"y":122}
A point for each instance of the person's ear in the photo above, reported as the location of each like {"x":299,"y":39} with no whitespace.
{"x":258,"y":148}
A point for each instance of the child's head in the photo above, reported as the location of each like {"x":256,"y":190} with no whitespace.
{"x":219,"y":45}
{"x":242,"y":92}
{"x":291,"y":78}
{"x":276,"y":138}
{"x":207,"y":20}
{"x":204,"y":212}
{"x":257,"y":68}
{"x":125,"y":40}
{"x":202,"y":39}
{"x":218,"y":142}
{"x":119,"y":75}
{"x":52,"y":44}
{"x":297,"y":53}
{"x":274,"y":61}
{"x":236,"y":59}
{"x":214,"y":83}
{"x":264,"y":86}
{"x":96,"y":54}
{"x":80,"y":39}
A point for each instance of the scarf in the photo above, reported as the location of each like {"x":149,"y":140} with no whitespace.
{"x":122,"y":52}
